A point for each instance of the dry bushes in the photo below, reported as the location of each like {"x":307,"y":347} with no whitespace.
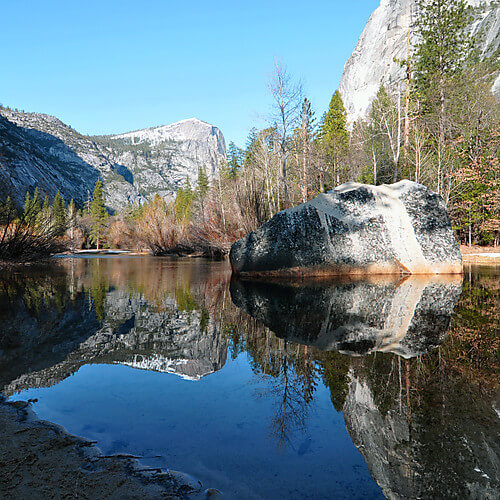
{"x":28,"y":236}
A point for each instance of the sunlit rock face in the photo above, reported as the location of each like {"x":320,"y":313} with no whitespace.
{"x":407,"y":317}
{"x":355,"y":229}
{"x":385,"y":41}
{"x":39,"y":150}
{"x":447,"y":450}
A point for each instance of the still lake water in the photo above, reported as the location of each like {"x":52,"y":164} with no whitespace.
{"x":339,"y":389}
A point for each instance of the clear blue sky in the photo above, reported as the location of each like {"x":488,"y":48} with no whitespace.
{"x":111,"y":66}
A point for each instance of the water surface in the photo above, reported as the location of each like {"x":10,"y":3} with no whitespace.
{"x":336,"y":389}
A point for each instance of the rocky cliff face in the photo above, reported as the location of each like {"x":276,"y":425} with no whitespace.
{"x":386,"y":39}
{"x":40,"y":150}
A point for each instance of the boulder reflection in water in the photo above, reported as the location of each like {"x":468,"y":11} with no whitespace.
{"x":407,"y":316}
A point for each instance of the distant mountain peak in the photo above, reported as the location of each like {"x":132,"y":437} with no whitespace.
{"x":40,"y":150}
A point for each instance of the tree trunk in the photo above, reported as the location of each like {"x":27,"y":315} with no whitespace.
{"x":304,"y":166}
{"x":406,"y":139}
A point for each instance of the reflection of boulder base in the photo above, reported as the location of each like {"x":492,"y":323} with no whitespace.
{"x":356,"y":229}
{"x":407,"y":317}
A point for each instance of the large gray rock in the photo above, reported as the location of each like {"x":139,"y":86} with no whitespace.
{"x":401,"y":228}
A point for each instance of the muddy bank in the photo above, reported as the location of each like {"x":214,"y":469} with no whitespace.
{"x":39,"y":459}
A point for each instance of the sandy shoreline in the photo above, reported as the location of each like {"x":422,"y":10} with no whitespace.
{"x":480,"y":255}
{"x":39,"y":459}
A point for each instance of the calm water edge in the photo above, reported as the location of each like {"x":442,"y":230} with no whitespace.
{"x":338,"y":389}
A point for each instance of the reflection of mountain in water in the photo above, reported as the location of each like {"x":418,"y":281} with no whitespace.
{"x":405,"y":317}
{"x":41,"y":348}
{"x":425,"y":425}
{"x":448,"y":450}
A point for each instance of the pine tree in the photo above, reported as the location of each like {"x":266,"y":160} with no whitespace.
{"x":444,"y":47}
{"x":98,"y":215}
{"x":183,"y":201}
{"x":7,"y":212}
{"x":306,"y":134}
{"x":27,"y":204}
{"x":44,"y":217}
{"x":234,"y":156}
{"x":9,"y":207}
{"x":203,"y":183}
{"x":334,"y":134}
{"x":36,"y":203}
{"x":32,"y":206}
{"x":59,"y":213}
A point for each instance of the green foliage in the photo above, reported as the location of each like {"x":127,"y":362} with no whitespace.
{"x":59,"y":213}
{"x":333,"y":134}
{"x":27,"y":203}
{"x":183,"y":201}
{"x":203,"y":183}
{"x":234,"y":159}
{"x":44,"y":217}
{"x":32,"y":206}
{"x":184,"y":300}
{"x":445,"y":44}
{"x":8,"y":211}
{"x":36,"y":202}
{"x":98,"y":215}
{"x":334,"y":371}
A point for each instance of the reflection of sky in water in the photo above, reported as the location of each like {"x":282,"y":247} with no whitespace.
{"x":217,"y":416}
{"x":218,"y":429}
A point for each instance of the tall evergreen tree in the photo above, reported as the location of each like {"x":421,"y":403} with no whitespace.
{"x":444,"y":46}
{"x":98,"y":215}
{"x":203,"y":183}
{"x":334,"y":133}
{"x":32,"y":206}
{"x":234,"y":157}
{"x":183,"y":201}
{"x":444,"y":43}
{"x":45,"y":214}
{"x":7,"y":211}
{"x":59,"y":213}
{"x":27,"y":204}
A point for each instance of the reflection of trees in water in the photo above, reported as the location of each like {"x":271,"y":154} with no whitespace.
{"x":446,"y":399}
{"x":443,"y":397}
{"x":291,"y":384}
{"x":429,"y":422}
{"x":291,"y":371}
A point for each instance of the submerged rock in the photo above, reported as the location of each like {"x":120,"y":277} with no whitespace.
{"x":402,"y":228}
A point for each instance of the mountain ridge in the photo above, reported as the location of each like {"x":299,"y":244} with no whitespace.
{"x":37,"y":149}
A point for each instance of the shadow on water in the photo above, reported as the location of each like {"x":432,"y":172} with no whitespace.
{"x":412,"y":364}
